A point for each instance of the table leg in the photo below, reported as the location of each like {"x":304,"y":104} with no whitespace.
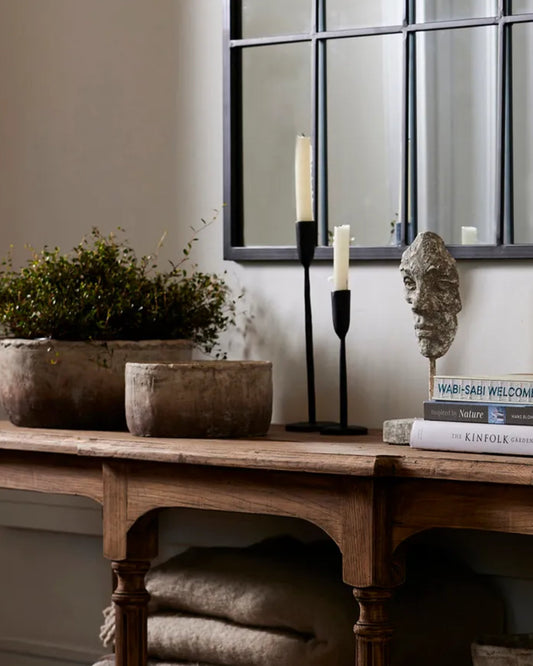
{"x":131,"y":548}
{"x":130,"y":599}
{"x":373,"y":630}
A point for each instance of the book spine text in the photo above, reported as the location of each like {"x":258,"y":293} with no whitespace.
{"x":472,"y":437}
{"x":476,"y":412}
{"x":483,"y":390}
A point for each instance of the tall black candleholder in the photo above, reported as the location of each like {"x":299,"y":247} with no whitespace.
{"x":340,"y":303}
{"x":306,"y":241}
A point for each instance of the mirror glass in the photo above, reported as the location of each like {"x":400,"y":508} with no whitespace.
{"x":276,"y":103}
{"x":364,"y":118}
{"x":341,"y":14}
{"x":522,"y":49}
{"x":445,"y":10}
{"x":456,"y":132}
{"x":275,"y":17}
{"x":522,"y":6}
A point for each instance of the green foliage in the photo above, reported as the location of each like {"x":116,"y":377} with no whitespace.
{"x":102,"y":291}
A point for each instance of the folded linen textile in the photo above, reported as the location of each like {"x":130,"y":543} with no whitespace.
{"x":279,"y":600}
{"x":174,"y":637}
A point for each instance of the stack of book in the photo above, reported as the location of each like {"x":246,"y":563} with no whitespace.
{"x":491,"y":414}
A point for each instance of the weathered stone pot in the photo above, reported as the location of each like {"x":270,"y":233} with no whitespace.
{"x":199,"y":399}
{"x":73,"y":384}
{"x":504,"y":650}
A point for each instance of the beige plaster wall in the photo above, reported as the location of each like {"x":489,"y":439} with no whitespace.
{"x":112,"y":115}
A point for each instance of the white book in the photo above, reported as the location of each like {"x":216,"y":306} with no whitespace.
{"x":472,"y":437}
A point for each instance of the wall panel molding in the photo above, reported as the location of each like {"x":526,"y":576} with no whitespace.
{"x":23,"y":652}
{"x":53,"y":513}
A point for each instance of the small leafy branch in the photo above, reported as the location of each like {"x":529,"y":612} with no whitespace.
{"x":102,"y":291}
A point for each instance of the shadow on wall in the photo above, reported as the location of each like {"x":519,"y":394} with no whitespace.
{"x":267,"y":337}
{"x":263,"y":333}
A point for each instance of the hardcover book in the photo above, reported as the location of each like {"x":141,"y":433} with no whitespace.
{"x":472,"y":437}
{"x":478,"y":412}
{"x":499,"y":389}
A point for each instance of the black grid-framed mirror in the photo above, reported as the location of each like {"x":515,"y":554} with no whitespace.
{"x":419,"y":113}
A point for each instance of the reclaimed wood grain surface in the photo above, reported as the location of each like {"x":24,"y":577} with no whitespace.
{"x":279,"y":450}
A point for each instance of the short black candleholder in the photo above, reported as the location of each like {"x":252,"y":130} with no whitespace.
{"x":306,"y":240}
{"x":340,"y":303}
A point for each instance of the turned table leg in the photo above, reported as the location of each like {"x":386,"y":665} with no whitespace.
{"x":373,"y":630}
{"x":131,"y":548}
{"x":130,"y":599}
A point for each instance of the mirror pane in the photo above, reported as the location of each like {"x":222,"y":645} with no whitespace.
{"x":264,"y":18}
{"x":456,"y":132}
{"x":364,"y":132}
{"x":276,"y":103}
{"x":522,"y":37}
{"x":445,"y":10}
{"x":361,"y":13}
{"x":522,"y":6}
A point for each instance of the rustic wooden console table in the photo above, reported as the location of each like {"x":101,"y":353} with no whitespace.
{"x":366,"y":495}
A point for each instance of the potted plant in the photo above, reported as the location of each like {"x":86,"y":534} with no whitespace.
{"x":71,"y":322}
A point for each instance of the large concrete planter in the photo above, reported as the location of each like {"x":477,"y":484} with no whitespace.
{"x":199,"y":399}
{"x":79,"y":385}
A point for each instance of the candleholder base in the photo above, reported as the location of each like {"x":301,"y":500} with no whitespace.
{"x":339,"y":429}
{"x":307,"y":426}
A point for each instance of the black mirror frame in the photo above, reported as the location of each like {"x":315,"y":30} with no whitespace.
{"x":234,"y":248}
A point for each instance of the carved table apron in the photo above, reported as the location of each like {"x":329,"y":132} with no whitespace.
{"x":367,"y":496}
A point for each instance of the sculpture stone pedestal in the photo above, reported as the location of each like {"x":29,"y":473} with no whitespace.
{"x":397,"y":431}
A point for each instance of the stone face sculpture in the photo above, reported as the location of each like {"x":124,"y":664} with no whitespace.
{"x":431,"y":285}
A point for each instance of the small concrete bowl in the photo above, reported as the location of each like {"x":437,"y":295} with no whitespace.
{"x":205,"y":399}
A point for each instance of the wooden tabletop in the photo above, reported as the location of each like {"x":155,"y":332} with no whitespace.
{"x":279,"y":450}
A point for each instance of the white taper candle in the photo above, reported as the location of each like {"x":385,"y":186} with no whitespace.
{"x":302,"y":172}
{"x":341,"y":256}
